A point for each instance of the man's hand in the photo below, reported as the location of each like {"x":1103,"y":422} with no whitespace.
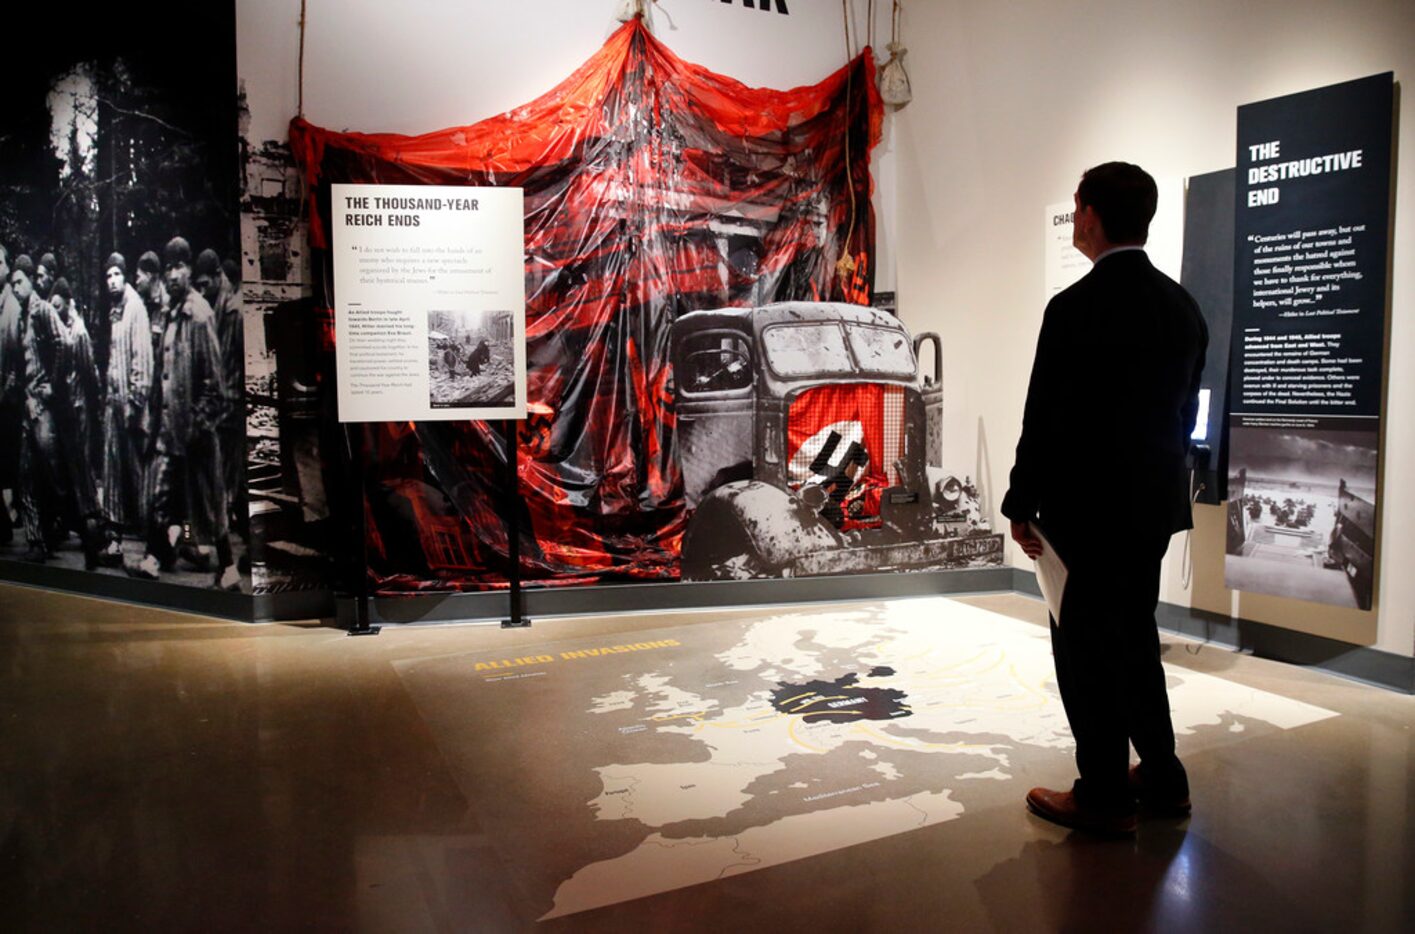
{"x":1022,"y":535}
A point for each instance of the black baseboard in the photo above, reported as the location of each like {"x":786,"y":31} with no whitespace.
{"x":1264,"y":640}
{"x":298,"y":604}
{"x":293,"y":604}
{"x":679,"y":595}
{"x":205,"y":601}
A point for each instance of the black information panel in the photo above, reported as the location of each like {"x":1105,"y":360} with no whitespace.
{"x":1207,"y":273}
{"x":1311,"y":235}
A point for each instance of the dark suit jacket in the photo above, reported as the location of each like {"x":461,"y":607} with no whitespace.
{"x":1110,"y":406}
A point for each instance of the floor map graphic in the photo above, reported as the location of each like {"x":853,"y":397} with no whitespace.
{"x":693,"y":753}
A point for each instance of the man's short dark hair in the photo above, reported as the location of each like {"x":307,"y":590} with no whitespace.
{"x":178,"y":251}
{"x":208,"y":264}
{"x":1124,"y":196}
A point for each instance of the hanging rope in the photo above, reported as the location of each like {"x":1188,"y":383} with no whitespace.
{"x":845,"y":266}
{"x":300,"y":106}
{"x":300,"y":112}
{"x":845,"y":15}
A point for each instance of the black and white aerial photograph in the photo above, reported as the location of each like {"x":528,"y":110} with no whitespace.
{"x":469,"y":359}
{"x":1302,"y":508}
{"x":122,"y":350}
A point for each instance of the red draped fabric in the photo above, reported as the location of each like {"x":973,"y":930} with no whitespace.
{"x":653,"y":187}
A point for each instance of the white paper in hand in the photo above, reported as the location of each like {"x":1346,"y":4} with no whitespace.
{"x":1051,"y":574}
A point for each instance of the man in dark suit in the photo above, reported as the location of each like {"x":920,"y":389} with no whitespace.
{"x":1101,"y":469}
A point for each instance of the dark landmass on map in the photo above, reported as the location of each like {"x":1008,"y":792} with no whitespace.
{"x":881,"y":671}
{"x":839,"y":701}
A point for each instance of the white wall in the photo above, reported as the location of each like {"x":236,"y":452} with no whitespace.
{"x":1013,"y":99}
{"x":422,"y":65}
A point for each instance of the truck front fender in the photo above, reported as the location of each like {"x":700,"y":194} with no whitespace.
{"x":748,"y":529}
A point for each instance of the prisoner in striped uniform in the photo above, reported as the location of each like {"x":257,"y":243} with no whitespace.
{"x":129,"y":379}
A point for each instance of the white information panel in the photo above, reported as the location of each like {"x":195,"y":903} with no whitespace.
{"x":430,"y":305}
{"x":1065,"y":263}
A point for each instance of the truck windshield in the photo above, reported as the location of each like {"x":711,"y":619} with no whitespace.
{"x":804,"y":349}
{"x":837,"y":348}
{"x":882,"y":350}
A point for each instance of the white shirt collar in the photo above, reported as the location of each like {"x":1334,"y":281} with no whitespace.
{"x":1121,"y":249}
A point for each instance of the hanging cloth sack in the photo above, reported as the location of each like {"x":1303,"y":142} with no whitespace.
{"x":893,"y":79}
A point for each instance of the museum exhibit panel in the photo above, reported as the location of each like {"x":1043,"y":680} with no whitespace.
{"x":701,"y":390}
{"x":652,"y":189}
{"x":1310,"y":303}
{"x":682,"y":346}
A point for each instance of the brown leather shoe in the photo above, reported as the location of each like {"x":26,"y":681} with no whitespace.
{"x":1061,"y":807}
{"x":1154,"y":804}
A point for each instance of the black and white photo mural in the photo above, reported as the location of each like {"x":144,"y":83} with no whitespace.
{"x":122,"y":349}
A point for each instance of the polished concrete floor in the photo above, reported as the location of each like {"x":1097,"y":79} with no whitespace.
{"x":168,"y":772}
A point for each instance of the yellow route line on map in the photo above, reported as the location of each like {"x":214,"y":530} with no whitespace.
{"x":1027,"y":685}
{"x":791,"y":732}
{"x":1033,"y":699}
{"x":939,"y":676}
{"x":738,"y":724}
{"x":953,"y":672}
{"x":998,"y":657}
{"x":953,"y":665}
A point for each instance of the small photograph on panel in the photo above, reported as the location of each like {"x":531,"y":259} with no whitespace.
{"x":469,"y":359}
{"x":1302,"y":514}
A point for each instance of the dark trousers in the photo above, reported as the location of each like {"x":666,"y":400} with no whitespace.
{"x":58,"y":491}
{"x":12,"y":426}
{"x":232,"y":440}
{"x":1108,"y":670}
{"x":39,"y":497}
{"x":11,"y":435}
{"x":187,"y":490}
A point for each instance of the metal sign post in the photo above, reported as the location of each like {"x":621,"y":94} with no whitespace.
{"x":513,"y":527}
{"x":362,"y":626}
